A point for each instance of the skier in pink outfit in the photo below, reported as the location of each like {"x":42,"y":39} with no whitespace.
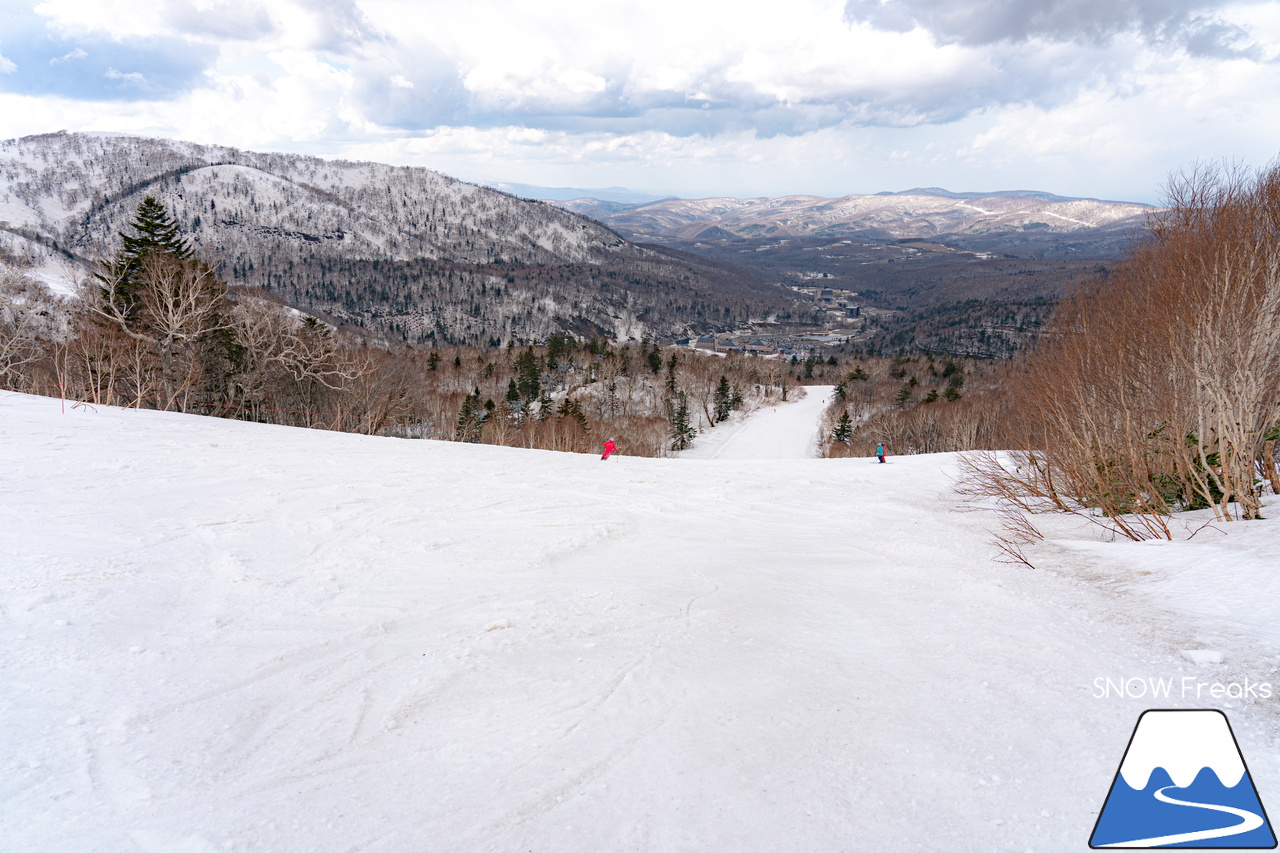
{"x":609,"y":448}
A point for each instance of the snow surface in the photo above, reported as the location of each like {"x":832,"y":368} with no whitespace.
{"x":239,"y":637}
{"x":773,"y":432}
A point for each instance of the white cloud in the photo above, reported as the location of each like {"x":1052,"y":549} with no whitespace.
{"x":71,"y":56}
{"x":132,"y":77}
{"x":709,"y":97}
{"x":116,"y":18}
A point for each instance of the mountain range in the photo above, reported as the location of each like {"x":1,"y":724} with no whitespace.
{"x":1000,"y":221}
{"x":413,"y":255}
{"x":404,"y":253}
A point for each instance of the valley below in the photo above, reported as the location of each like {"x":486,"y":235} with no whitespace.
{"x":412,"y":256}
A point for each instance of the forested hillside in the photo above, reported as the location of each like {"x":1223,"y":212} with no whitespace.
{"x":405,"y":253}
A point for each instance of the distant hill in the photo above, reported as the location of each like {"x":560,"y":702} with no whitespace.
{"x":942,"y":193}
{"x":965,"y":273}
{"x":405,"y":253}
{"x":1019,"y":221}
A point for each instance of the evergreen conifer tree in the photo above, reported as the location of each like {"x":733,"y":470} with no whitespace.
{"x":723,"y":400}
{"x":471,"y":417}
{"x":903,"y":395}
{"x":572,"y":409}
{"x":844,"y":428}
{"x":559,"y":346}
{"x":167,"y":300}
{"x":682,"y":432}
{"x":155,"y":232}
{"x":528,"y":375}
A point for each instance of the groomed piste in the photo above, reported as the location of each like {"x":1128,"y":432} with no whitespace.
{"x":224,"y":636}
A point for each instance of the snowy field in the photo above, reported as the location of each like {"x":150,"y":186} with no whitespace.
{"x":220,"y":636}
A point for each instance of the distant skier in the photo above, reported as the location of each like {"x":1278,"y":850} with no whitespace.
{"x":609,"y":448}
{"x":880,"y":452}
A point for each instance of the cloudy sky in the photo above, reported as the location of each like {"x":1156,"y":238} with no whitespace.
{"x":1100,"y":98}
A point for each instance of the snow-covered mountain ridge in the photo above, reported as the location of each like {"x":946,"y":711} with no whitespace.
{"x":404,"y":252}
{"x":913,"y":214}
{"x":80,"y":189}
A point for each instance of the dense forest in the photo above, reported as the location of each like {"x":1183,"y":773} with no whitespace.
{"x":404,"y":254}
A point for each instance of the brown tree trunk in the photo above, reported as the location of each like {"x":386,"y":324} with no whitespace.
{"x":1269,"y":465}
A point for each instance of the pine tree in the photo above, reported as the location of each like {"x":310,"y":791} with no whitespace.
{"x":528,"y":376}
{"x":155,"y":233}
{"x":572,"y":409}
{"x":723,"y":400}
{"x":558,"y":347}
{"x":844,"y":428}
{"x":471,"y":418}
{"x":167,"y":300}
{"x":682,"y":432}
{"x":903,"y":396}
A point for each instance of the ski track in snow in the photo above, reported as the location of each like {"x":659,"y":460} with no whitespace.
{"x":236,"y":637}
{"x":785,"y":431}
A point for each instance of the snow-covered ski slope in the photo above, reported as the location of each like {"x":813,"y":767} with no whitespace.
{"x":774,"y":432}
{"x":221,"y":636}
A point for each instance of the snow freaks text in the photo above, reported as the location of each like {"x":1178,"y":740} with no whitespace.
{"x":1186,"y":687}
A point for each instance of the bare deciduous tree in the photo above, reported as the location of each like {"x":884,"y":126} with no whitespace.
{"x":1157,"y":388}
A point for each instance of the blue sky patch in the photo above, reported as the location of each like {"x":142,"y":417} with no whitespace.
{"x":94,"y":67}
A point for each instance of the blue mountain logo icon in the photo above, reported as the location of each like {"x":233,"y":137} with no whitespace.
{"x":1183,"y":783}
